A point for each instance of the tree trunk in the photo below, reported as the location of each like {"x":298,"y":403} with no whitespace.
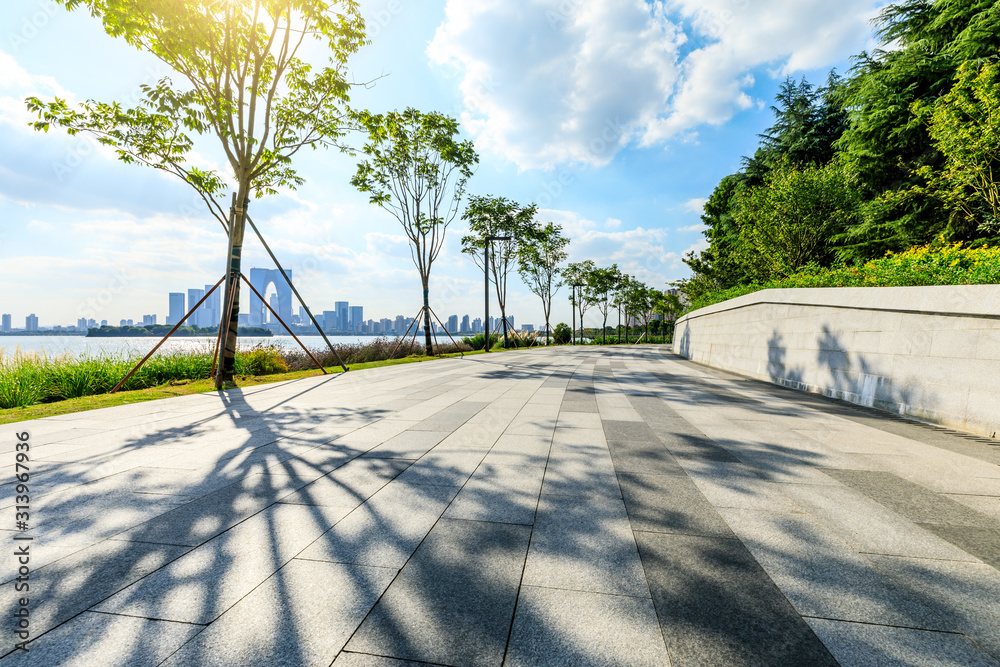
{"x":604,"y":330}
{"x":428,"y":346}
{"x":230,"y":326}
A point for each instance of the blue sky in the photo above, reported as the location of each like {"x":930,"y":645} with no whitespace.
{"x":617,"y":117}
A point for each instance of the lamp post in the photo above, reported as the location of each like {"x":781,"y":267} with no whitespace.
{"x":486,"y":274}
{"x":576,"y":289}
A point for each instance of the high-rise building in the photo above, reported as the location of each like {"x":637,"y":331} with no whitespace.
{"x":210,"y":313}
{"x":356,"y":315}
{"x":304,"y":316}
{"x":329,"y":322}
{"x":176,"y":308}
{"x":263,"y":280}
{"x":400,"y":326}
{"x":465,"y":324}
{"x":477,"y":325}
{"x":31,"y":323}
{"x":343,"y":311}
{"x":5,"y":322}
{"x":148,"y":319}
{"x":104,"y":323}
{"x":453,"y":324}
{"x":81,"y":324}
{"x":194,"y":296}
{"x":91,"y":323}
{"x":275,"y":302}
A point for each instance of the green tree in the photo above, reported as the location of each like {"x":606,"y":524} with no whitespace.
{"x":416,"y":169}
{"x":244,"y":81}
{"x":497,"y":216}
{"x":788,"y":222}
{"x":886,"y":144}
{"x":578,"y":274}
{"x":668,"y":305}
{"x":600,"y":288}
{"x":965,"y":127}
{"x":540,"y":259}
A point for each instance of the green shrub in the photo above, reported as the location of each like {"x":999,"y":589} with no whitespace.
{"x":933,"y":264}
{"x":260,"y":361}
{"x":476,"y":342}
{"x":561,"y":334}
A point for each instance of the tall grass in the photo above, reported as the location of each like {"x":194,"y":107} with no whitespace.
{"x":27,"y":379}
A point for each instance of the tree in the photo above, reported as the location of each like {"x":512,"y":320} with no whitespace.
{"x":244,"y":81}
{"x":497,"y":216}
{"x":965,"y":127}
{"x":600,"y":289}
{"x":668,"y":305}
{"x":539,"y":259}
{"x":417,"y":170}
{"x":577,"y":274}
{"x":788,"y":222}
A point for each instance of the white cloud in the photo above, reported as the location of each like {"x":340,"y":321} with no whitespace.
{"x":696,"y":205}
{"x":551,"y":82}
{"x":641,"y":252}
{"x":692,"y":228}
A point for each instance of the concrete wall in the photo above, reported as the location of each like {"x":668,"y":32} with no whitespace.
{"x":929,"y":352}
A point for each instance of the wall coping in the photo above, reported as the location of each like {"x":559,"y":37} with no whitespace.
{"x":945,"y":300}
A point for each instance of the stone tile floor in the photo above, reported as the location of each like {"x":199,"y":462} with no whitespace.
{"x":573,"y":506}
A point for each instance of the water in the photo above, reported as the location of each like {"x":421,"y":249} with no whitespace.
{"x":80,"y":345}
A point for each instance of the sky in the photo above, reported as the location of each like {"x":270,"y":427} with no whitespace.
{"x":616,"y":117}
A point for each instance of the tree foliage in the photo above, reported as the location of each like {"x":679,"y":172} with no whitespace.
{"x":540,"y":258}
{"x":416,"y":168}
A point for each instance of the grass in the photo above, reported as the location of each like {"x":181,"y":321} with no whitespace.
{"x":181,"y":388}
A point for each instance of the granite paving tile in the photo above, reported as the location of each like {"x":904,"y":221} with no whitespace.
{"x":663,"y":504}
{"x":351,"y":484}
{"x":506,"y":494}
{"x":866,"y":644}
{"x":822,"y":576}
{"x":717,"y":606}
{"x":584,"y":544}
{"x":577,"y":629}
{"x":202,"y":584}
{"x":120,"y":641}
{"x":385,"y":530}
{"x":454,"y":600}
{"x":966,"y":595}
{"x":302,"y":615}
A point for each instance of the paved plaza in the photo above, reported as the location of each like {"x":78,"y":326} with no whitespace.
{"x":573,"y":506}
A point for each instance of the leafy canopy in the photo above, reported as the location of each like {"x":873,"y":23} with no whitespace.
{"x":241,"y":76}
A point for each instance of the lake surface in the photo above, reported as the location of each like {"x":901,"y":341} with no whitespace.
{"x":80,"y":345}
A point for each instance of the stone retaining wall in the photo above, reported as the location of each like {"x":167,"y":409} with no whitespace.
{"x":929,"y":352}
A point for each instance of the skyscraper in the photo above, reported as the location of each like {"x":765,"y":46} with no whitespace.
{"x":329,"y":322}
{"x":342,"y":308}
{"x":357,"y":316}
{"x":81,"y":324}
{"x":210,"y":313}
{"x":400,"y":325}
{"x":453,"y":324}
{"x":31,"y":323}
{"x":465,"y":325}
{"x":194,"y":296}
{"x":5,"y":322}
{"x":176,"y":308}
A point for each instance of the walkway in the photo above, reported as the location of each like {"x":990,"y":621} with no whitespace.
{"x":573,"y":506}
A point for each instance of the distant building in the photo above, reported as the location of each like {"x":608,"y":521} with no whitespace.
{"x":329,"y":322}
{"x":194,"y":296}
{"x":342,"y":309}
{"x":400,"y":326}
{"x":176,"y":308}
{"x":91,"y":323}
{"x":210,"y":313}
{"x":81,"y":324}
{"x":528,"y":327}
{"x":356,"y":315}
{"x":5,"y":322}
{"x":263,"y":280}
{"x":104,"y":323}
{"x":453,"y":324}
{"x":31,"y":323}
{"x":465,"y":325}
{"x":477,"y":325}
{"x":148,"y":319}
